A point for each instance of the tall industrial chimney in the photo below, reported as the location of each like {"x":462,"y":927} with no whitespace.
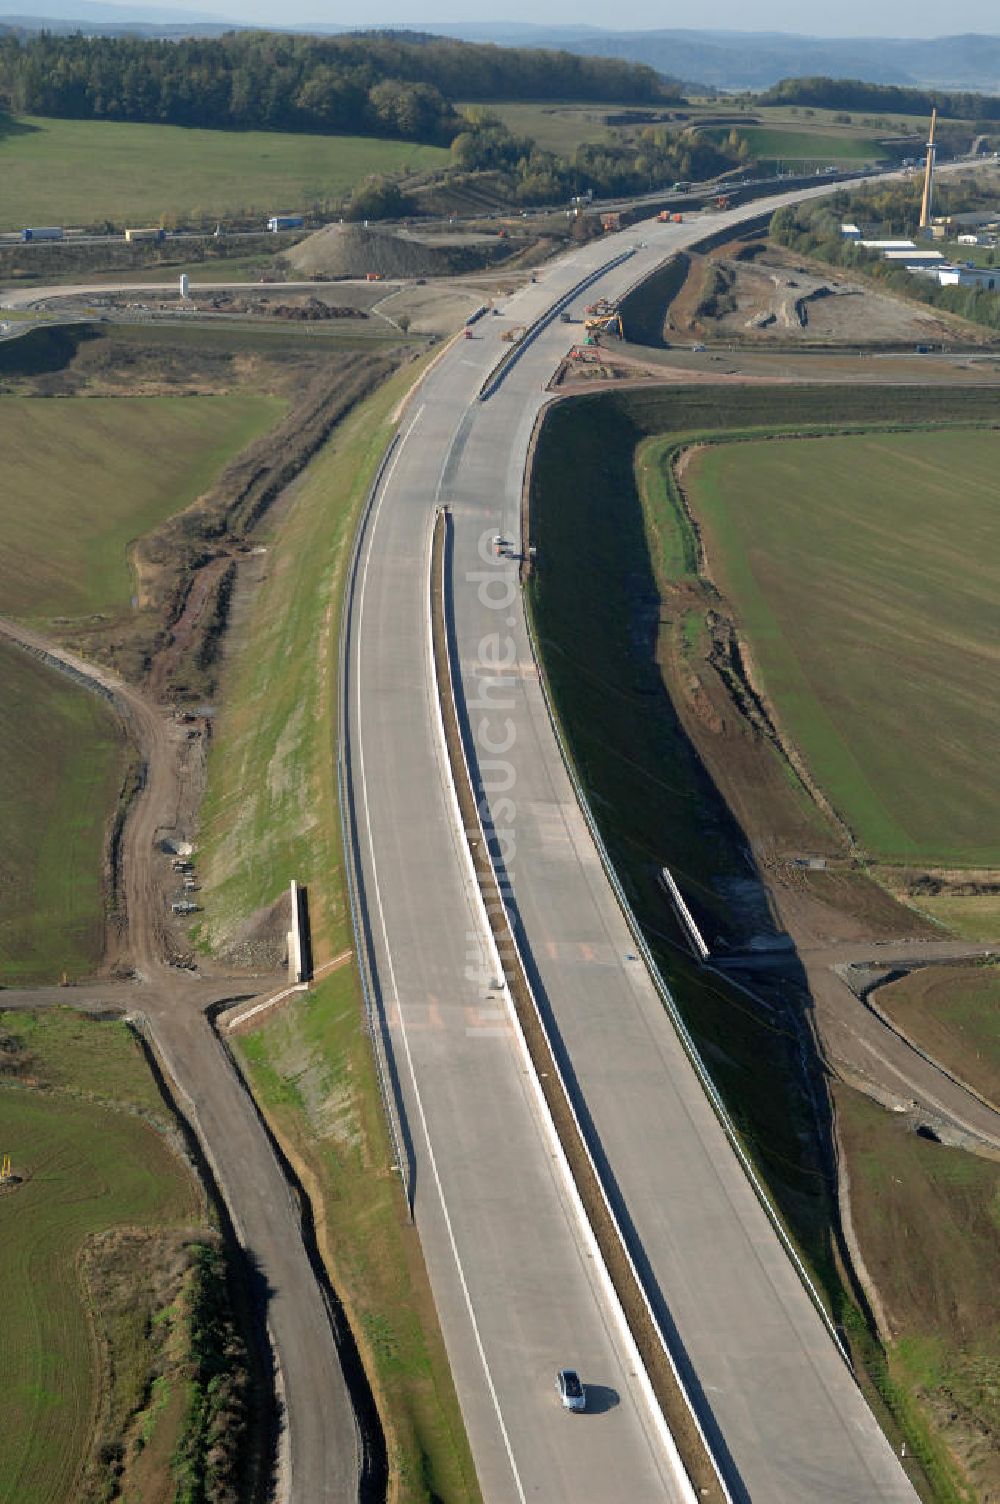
{"x":925,"y":207}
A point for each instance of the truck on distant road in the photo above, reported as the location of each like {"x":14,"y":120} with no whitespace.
{"x":151,"y":232}
{"x":285,"y":222}
{"x":43,"y":232}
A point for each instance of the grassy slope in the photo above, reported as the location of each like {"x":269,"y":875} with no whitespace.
{"x":86,"y":1169}
{"x":871,"y":611}
{"x":270,"y":813}
{"x":768,"y":143}
{"x":928,"y":1220}
{"x":62,"y":761}
{"x":82,"y":172}
{"x":953,"y":1013}
{"x":271,"y":788}
{"x":79,"y":485}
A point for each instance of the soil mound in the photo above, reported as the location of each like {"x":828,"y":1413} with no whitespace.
{"x":354,"y":250}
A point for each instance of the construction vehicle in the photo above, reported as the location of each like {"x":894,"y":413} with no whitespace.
{"x":605,"y":323}
{"x":598,"y":309}
{"x":511,"y":336}
{"x":611,"y":221}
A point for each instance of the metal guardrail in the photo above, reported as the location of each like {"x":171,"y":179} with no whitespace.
{"x":512,"y":356}
{"x":352,"y":856}
{"x":683,"y":1033}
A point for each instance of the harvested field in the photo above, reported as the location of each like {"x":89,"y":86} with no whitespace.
{"x":870,"y":613}
{"x":926,"y":1220}
{"x":79,"y":487}
{"x":355,"y":250}
{"x":77,"y":1346}
{"x":62,"y":766}
{"x":953,"y":1014}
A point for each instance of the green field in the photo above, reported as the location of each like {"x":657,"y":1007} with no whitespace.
{"x":83,"y":477}
{"x":62,"y":762}
{"x":770,"y":144}
{"x":865,"y":574}
{"x":86,"y":172}
{"x":86,"y":1170}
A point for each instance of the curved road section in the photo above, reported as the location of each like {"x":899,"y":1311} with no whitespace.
{"x":518,"y":1298}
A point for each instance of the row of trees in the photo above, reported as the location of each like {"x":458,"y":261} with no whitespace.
{"x":386,"y":85}
{"x":853,"y":94}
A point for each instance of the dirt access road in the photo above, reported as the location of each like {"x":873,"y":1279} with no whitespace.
{"x":327,"y":1452}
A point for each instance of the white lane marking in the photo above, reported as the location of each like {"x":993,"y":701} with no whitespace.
{"x":395,"y":991}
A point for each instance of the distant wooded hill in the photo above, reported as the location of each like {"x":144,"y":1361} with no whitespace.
{"x":378,"y":84}
{"x":852,"y":94}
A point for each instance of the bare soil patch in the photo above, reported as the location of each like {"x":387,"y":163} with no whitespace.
{"x":756,"y":293}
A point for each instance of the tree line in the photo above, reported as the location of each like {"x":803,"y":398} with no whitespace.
{"x":853,"y":94}
{"x":382,"y":84}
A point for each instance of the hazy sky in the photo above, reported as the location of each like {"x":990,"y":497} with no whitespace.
{"x":847,"y":18}
{"x":890,"y":18}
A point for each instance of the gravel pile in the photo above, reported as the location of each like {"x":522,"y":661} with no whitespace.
{"x":354,"y":250}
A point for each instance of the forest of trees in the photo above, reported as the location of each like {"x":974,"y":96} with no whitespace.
{"x":852,"y":94}
{"x":375,"y":84}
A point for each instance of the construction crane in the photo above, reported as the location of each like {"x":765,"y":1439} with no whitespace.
{"x":926,"y":204}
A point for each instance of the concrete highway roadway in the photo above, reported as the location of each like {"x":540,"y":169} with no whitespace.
{"x":516,"y":1296}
